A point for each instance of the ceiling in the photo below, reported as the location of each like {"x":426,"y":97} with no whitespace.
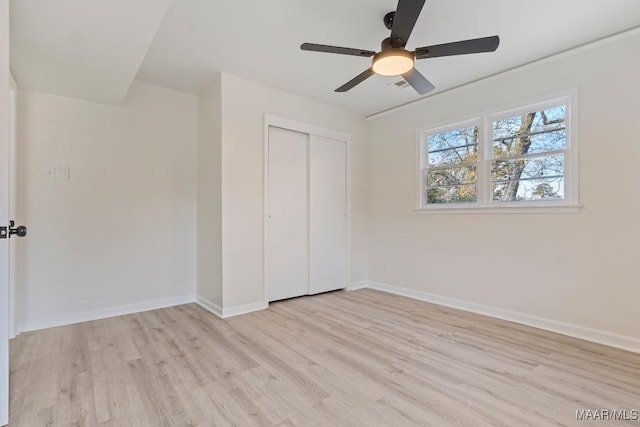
{"x":86,"y":49}
{"x":81,"y":47}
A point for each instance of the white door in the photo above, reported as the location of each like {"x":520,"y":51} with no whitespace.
{"x":4,"y":212}
{"x":327,"y":215}
{"x":4,"y":271}
{"x":286,"y":227}
{"x":13,"y":147}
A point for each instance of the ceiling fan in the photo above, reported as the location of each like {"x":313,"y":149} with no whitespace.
{"x":394,"y":60}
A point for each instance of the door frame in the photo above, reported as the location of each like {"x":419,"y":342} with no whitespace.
{"x":308,"y":129}
{"x":4,"y":181}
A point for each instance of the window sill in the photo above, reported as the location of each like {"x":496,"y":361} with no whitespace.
{"x":470,"y":210}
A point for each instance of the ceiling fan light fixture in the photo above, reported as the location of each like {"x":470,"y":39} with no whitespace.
{"x":394,"y":59}
{"x":392,"y":62}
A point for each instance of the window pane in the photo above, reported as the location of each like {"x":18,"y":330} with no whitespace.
{"x":452,"y":194}
{"x":537,"y":167}
{"x":535,"y":132}
{"x":454,"y":156}
{"x":535,"y":189}
{"x":451,"y":176}
{"x":453,"y":147}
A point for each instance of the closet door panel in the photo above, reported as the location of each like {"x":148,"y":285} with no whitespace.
{"x":327,"y":215}
{"x":286,"y":232}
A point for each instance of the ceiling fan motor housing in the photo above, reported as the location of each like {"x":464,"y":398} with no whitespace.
{"x":390,"y":43}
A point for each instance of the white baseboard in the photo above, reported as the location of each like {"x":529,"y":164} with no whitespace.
{"x":103,"y":313}
{"x":354,"y":286}
{"x":244,"y":309}
{"x":231,"y":311}
{"x":209,"y":305}
{"x":576,"y":331}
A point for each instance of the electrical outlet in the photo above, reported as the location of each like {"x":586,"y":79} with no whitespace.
{"x":51,"y":174}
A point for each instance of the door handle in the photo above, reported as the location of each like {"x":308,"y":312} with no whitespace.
{"x":7,"y":232}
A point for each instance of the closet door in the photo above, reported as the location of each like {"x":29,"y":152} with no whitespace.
{"x":286,"y":232}
{"x":327,"y":215}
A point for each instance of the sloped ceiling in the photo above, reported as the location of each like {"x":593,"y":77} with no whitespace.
{"x":87,"y":49}
{"x":92,"y":49}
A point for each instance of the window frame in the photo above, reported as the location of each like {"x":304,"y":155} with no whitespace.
{"x":484,"y":121}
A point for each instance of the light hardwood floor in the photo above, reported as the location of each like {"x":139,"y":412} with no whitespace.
{"x":362,"y":358}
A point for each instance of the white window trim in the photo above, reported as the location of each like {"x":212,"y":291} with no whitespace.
{"x":484,"y":204}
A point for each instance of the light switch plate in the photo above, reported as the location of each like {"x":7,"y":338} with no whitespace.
{"x":51,"y":174}
{"x":63,"y":173}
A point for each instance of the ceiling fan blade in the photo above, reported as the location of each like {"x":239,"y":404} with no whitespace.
{"x":418,"y":81}
{"x":356,"y":80}
{"x":336,"y":49}
{"x":405,"y":19}
{"x":484,"y":44}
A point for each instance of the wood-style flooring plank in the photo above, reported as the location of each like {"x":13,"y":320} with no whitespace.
{"x":362,"y":358}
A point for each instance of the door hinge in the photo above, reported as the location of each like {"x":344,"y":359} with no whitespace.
{"x":7,"y":232}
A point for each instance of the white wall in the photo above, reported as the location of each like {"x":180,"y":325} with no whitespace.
{"x":122,"y":229}
{"x":209,"y":232}
{"x":244,"y":105}
{"x":575,"y":268}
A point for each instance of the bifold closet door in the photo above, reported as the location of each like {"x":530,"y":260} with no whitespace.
{"x":286,"y":232}
{"x":327,"y":214}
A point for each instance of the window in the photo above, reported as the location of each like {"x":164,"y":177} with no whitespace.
{"x":512,"y":159}
{"x":452,"y":163}
{"x":528,"y":155}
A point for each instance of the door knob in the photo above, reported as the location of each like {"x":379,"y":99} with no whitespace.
{"x":7,"y":232}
